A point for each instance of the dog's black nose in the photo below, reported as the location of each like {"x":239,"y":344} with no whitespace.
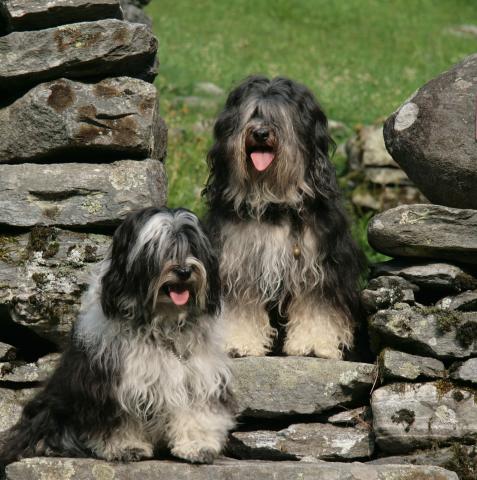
{"x":261,"y":134}
{"x":183,"y":273}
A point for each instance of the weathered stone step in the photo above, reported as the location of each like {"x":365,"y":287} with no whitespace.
{"x":411,"y":416}
{"x":28,"y":15}
{"x":117,"y":116}
{"x":426,"y":231}
{"x":85,"y":49}
{"x":268,"y":387}
{"x":426,"y":331}
{"x":43,"y":274}
{"x":226,"y":469}
{"x":78,"y":195}
{"x":317,"y":440}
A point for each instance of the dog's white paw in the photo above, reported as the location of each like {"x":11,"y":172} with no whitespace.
{"x":125,"y":452}
{"x":306,"y":348}
{"x":195,"y":454}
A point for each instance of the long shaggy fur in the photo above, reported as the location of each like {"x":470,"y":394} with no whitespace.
{"x":282,"y":233}
{"x":142,"y":372}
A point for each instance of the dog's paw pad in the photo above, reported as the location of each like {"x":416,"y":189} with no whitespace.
{"x":204,"y":455}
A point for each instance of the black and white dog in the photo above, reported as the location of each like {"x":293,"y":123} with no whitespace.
{"x":275,"y":212}
{"x":145,"y":368}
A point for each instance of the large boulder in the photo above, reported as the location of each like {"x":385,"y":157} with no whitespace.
{"x":227,"y":469}
{"x":432,"y":137}
{"x":426,"y":231}
{"x":115,"y":117}
{"x":28,"y":15}
{"x":78,"y":194}
{"x":410,"y":416}
{"x":85,"y":49}
{"x":269,"y":387}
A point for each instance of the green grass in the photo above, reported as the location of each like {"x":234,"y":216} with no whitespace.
{"x":362,"y":58}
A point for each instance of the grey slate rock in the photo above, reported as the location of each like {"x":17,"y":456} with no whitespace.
{"x":317,"y":440}
{"x":441,"y":277}
{"x":426,"y":230}
{"x":355,"y":417}
{"x":135,"y":14}
{"x":116,"y":117}
{"x":465,"y":371}
{"x":78,"y":195}
{"x":28,"y":15}
{"x":7,"y":352}
{"x":227,"y":469}
{"x":37,"y":371}
{"x":465,"y":302}
{"x":426,"y":331}
{"x":410,"y":416}
{"x":269,"y":387}
{"x":432,"y":136}
{"x":385,"y":291}
{"x":395,"y":365}
{"x":86,"y":49}
{"x":42,"y":277}
{"x":11,"y":405}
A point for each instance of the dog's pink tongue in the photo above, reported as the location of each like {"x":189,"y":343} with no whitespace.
{"x":179,"y":298}
{"x":261,"y":160}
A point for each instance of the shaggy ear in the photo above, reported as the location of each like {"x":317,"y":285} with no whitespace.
{"x":323,"y":173}
{"x":117,"y":293}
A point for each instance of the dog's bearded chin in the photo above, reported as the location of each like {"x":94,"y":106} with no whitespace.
{"x":262,"y":159}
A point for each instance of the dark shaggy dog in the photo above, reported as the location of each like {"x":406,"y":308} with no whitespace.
{"x":275,"y":211}
{"x":144,"y":368}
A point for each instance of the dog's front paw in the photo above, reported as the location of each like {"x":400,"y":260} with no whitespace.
{"x":310,"y":349}
{"x":134,"y":454}
{"x":194,"y":455}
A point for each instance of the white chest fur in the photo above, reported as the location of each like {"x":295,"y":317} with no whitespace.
{"x":259,"y":261}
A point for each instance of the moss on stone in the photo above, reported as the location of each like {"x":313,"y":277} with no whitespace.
{"x":7,"y":245}
{"x":43,"y":239}
{"x":446,"y":319}
{"x":463,"y":462}
{"x":39,"y":278}
{"x":90,"y":253}
{"x":466,"y":334}
{"x":404,"y":416}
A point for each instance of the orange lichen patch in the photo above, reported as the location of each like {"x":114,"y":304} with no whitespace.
{"x":70,"y":37}
{"x":103,"y":90}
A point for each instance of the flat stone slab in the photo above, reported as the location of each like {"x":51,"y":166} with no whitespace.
{"x":437,"y":277}
{"x":465,"y":371}
{"x":465,"y":302}
{"x":11,"y":405}
{"x":29,"y":372}
{"x":426,"y":231}
{"x":355,"y":417}
{"x":82,"y":469}
{"x":385,"y":291}
{"x":426,"y":331}
{"x":432,"y":136}
{"x":268,"y":387}
{"x":78,"y":195}
{"x":317,"y":440}
{"x":43,"y":275}
{"x":28,"y":15}
{"x":395,"y":365}
{"x":411,"y":416}
{"x":86,"y":49}
{"x":115,"y":117}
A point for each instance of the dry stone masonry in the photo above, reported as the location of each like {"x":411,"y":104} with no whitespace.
{"x":82,"y":144}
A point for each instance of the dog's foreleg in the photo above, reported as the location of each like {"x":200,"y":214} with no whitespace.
{"x":127,"y":443}
{"x":316,"y":328}
{"x":198,"y":434}
{"x":246,"y":329}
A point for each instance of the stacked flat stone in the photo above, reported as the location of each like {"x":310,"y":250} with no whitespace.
{"x":376,"y":180}
{"x":81,"y":145}
{"x":423,"y":302}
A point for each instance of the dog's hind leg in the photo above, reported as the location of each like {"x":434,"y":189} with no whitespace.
{"x":127,"y":443}
{"x":246,"y":329}
{"x":316,"y":328}
{"x":198,"y":434}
